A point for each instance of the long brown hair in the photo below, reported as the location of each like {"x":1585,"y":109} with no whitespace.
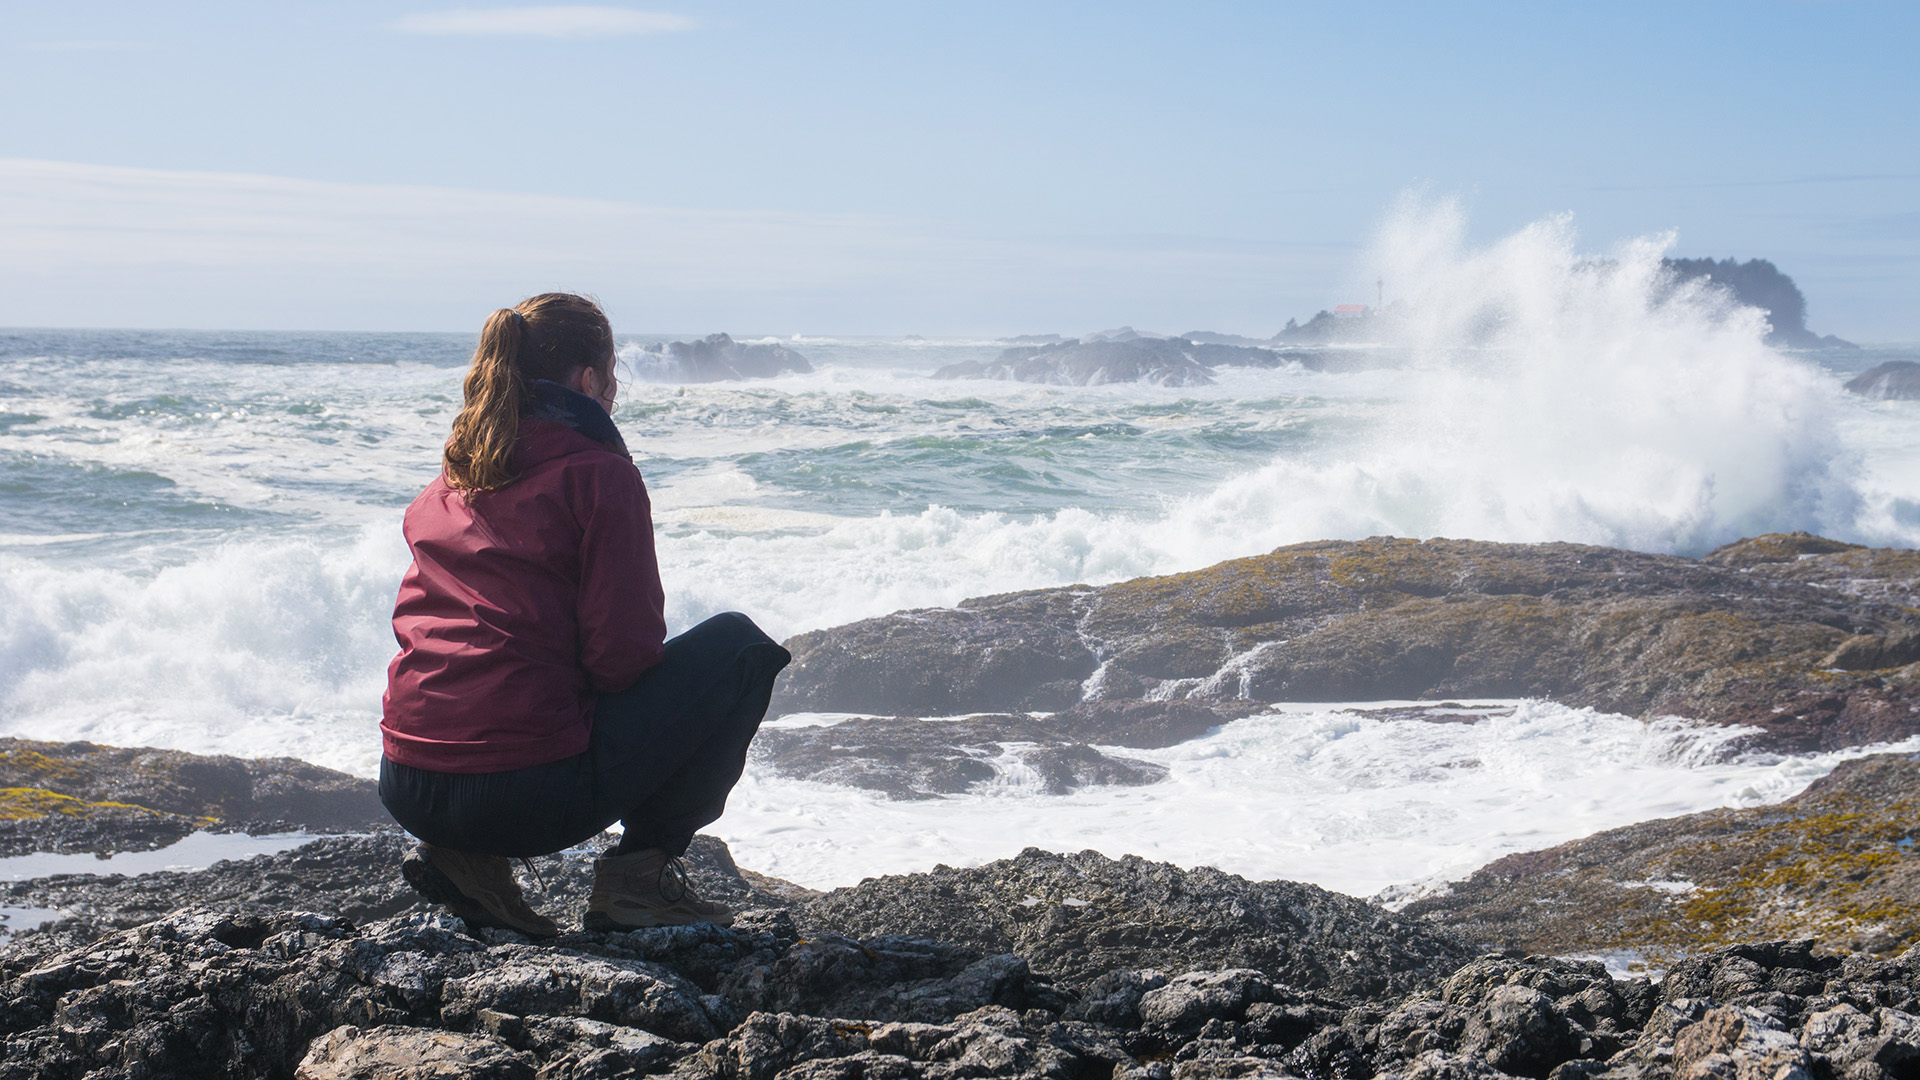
{"x":549,"y":336}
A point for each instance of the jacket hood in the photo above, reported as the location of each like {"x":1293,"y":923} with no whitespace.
{"x":576,"y":419}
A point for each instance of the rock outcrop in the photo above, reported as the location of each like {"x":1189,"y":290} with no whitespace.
{"x":717,"y":358}
{"x":355,"y":877}
{"x":1836,"y":863}
{"x":1893,"y":379}
{"x":1808,"y":640}
{"x":908,"y":758}
{"x":1081,"y":917}
{"x":1089,"y":363}
{"x":912,"y":758}
{"x":81,"y":796}
{"x":1166,"y":361}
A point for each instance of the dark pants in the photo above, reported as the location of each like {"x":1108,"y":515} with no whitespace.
{"x":663,"y":755}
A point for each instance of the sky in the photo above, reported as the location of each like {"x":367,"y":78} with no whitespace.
{"x":918,"y":167}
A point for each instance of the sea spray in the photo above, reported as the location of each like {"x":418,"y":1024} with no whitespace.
{"x":259,"y":648}
{"x":1558,"y":396}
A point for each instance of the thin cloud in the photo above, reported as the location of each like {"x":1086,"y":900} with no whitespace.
{"x":88,"y":45}
{"x":110,"y":245}
{"x":564,"y":21}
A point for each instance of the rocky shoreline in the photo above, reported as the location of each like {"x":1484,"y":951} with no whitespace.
{"x":317,"y":963}
{"x":1787,"y":931}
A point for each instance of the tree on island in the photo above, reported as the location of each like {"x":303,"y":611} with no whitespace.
{"x":1759,"y":283}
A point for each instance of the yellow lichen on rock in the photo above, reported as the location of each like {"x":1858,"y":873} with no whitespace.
{"x":1839,"y":863}
{"x":22,"y":803}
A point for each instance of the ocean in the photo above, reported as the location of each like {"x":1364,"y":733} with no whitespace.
{"x":199,"y":540}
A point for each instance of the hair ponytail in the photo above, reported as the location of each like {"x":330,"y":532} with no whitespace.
{"x":549,"y":336}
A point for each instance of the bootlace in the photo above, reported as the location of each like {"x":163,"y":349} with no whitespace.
{"x":532,"y":870}
{"x":674,"y":870}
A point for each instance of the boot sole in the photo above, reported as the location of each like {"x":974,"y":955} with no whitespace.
{"x":436,"y":887}
{"x":600,"y":922}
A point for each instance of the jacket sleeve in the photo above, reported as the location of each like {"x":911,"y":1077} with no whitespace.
{"x":621,"y":604}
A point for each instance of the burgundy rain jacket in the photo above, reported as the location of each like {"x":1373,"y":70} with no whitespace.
{"x":524,"y":603}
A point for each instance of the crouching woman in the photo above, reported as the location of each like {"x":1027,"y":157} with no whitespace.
{"x":536,"y":700}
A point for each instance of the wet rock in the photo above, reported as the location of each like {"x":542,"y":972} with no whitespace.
{"x":717,"y":358}
{"x":1226,"y":1067}
{"x":1011,"y":653}
{"x":765,"y":1044}
{"x":402,"y":1053}
{"x":1385,"y":618}
{"x":1883,"y":1044}
{"x":553,"y":982}
{"x":1188,"y":1002}
{"x":355,"y":877}
{"x":1078,"y":917}
{"x":1144,"y":724}
{"x":1732,"y":1043}
{"x":891,"y":978}
{"x":1518,"y":1030}
{"x":1876,"y":652}
{"x":136,"y":797}
{"x":570,"y":1048}
{"x":1525,"y":1017}
{"x":1441,"y":1065}
{"x":1664,"y":888}
{"x":923,"y":759}
{"x":37,"y":819}
{"x":1166,"y":361}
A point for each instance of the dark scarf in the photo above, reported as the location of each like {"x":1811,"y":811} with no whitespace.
{"x":554,"y":402}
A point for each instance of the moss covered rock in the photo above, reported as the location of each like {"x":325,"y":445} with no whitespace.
{"x":213,"y":787}
{"x":82,"y":796}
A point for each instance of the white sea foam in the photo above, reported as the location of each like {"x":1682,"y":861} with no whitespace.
{"x":1315,"y":793}
{"x":258,"y":649}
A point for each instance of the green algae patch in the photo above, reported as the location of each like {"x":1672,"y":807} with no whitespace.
{"x":190,"y":787}
{"x":26,"y":803}
{"x":1844,"y":877}
{"x":20,"y":763}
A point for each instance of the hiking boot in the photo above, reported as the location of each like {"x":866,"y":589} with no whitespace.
{"x":647,"y":888}
{"x":478,"y":888}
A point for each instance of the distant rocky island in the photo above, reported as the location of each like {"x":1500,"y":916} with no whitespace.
{"x":1759,"y":283}
{"x":1787,"y":932}
{"x":1127,"y":355}
{"x":717,"y":358}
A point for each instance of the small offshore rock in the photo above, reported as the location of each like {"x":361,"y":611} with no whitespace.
{"x":1892,"y":380}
